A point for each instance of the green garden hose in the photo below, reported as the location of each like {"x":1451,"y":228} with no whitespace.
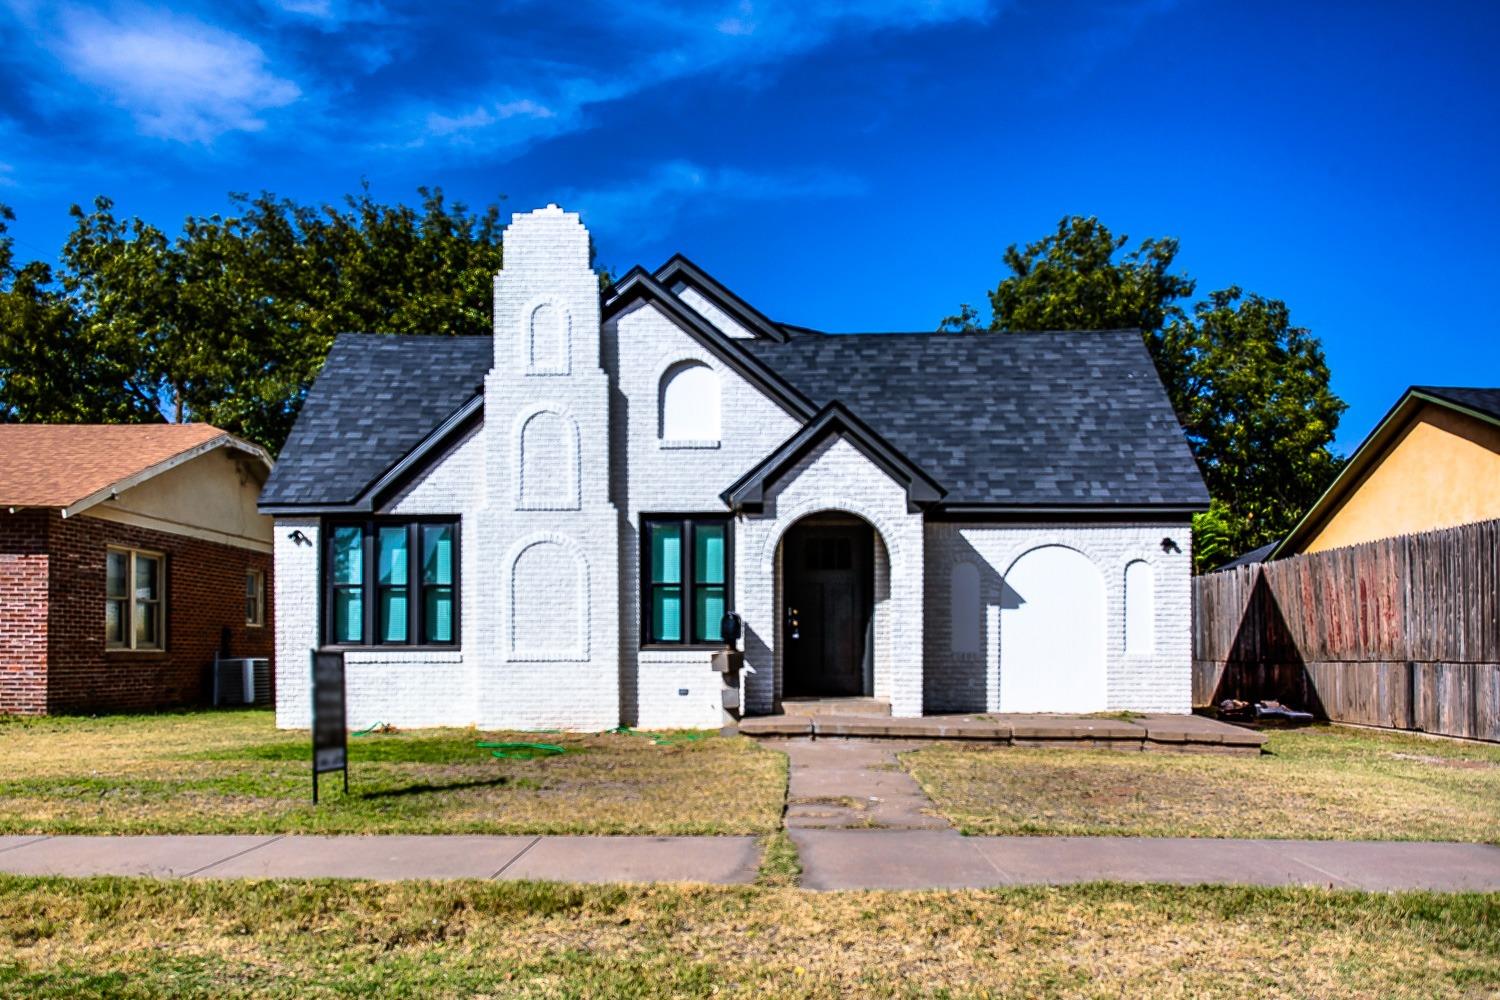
{"x":521,"y":751}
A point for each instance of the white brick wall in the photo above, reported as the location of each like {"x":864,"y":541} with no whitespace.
{"x":1160,"y":681}
{"x":640,"y":346}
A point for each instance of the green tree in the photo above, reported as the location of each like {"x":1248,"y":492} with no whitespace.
{"x":1250,"y":389}
{"x":51,"y":369}
{"x":230,"y":321}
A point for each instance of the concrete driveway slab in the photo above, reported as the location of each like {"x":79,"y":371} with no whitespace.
{"x":384,"y":857}
{"x":158,"y":856}
{"x":721,"y":860}
{"x":891,"y":859}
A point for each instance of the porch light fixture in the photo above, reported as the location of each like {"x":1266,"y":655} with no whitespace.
{"x":1167,"y":545}
{"x":298,"y":537}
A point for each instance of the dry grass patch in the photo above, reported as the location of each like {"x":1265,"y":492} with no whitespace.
{"x":1317,"y":783}
{"x":107,"y":937}
{"x":233,"y":772}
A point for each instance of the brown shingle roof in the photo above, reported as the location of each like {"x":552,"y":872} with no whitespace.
{"x":57,"y":465}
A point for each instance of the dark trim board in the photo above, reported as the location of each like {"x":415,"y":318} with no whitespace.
{"x":679,"y":268}
{"x":1170,"y":514}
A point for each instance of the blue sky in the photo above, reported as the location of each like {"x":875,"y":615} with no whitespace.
{"x":845,"y":165}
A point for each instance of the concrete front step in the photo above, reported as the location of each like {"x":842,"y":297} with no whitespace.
{"x":835,"y":706}
{"x":1180,"y":733}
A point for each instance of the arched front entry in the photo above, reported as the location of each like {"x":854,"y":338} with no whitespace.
{"x":828,"y":564}
{"x":1052,"y":633}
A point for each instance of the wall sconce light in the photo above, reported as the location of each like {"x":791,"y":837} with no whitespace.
{"x":1167,"y":545}
{"x":298,"y":537}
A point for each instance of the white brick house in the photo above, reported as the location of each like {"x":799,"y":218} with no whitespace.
{"x":544,"y":528}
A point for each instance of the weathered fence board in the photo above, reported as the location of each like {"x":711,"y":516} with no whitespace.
{"x":1402,"y":632}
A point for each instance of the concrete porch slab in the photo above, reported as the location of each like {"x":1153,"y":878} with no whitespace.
{"x":1182,"y":733}
{"x":156,"y":856}
{"x":385,"y":857}
{"x":720,"y":860}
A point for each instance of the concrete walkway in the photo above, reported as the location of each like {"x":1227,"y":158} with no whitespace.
{"x":890,"y":858}
{"x":723,"y":860}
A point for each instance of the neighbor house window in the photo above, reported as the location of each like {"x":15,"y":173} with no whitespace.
{"x":255,"y":597}
{"x":391,"y":583}
{"x":133,"y":606}
{"x":685,"y":579}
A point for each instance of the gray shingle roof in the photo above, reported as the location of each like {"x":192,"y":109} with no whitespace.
{"x":1486,"y":401}
{"x":377,"y":397}
{"x":1032,"y":419}
{"x":1015,"y":419}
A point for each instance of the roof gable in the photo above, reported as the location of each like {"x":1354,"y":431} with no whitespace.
{"x":680,"y":270}
{"x":378,"y":398}
{"x":1014,"y":423}
{"x":1481,"y":404}
{"x":749,"y":491}
{"x":74,"y":466}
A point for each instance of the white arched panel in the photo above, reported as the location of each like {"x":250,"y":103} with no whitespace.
{"x":1052,"y":633}
{"x":690,"y":403}
{"x":965,"y":611}
{"x":547,"y":336}
{"x":549,"y":602}
{"x":547,"y":463}
{"x":1140,"y":609}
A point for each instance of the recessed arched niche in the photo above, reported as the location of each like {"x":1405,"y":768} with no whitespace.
{"x":547,"y":330}
{"x":549,"y":612}
{"x":547,"y":462}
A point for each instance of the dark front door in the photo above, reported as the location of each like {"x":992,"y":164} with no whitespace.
{"x":829,"y":593}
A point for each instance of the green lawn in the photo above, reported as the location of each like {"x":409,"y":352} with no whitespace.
{"x":141,"y":938}
{"x":233,"y":772}
{"x":1321,"y":782}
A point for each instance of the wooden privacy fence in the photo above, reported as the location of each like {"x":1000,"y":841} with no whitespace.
{"x":1401,"y":632}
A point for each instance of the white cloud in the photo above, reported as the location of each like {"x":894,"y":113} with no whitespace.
{"x":179,"y":78}
{"x":7,"y":175}
{"x":482,"y":117}
{"x":648,"y":206}
{"x":689,"y":39}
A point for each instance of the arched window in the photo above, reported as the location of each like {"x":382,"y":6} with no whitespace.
{"x":690,"y":404}
{"x":1140,"y":609}
{"x":965,"y":614}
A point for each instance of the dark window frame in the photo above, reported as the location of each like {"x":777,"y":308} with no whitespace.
{"x":689,"y":584}
{"x":370,"y":586}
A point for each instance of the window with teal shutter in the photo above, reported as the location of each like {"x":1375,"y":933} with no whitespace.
{"x":394,"y":607}
{"x":348,"y":584}
{"x":708,"y":582}
{"x":437,"y":583}
{"x":666,"y":582}
{"x":391,"y":582}
{"x":686,"y":579}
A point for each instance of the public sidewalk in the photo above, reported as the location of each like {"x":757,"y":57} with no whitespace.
{"x":832,"y":859}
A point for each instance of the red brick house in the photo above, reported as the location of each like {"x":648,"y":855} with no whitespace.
{"x":129,"y":556}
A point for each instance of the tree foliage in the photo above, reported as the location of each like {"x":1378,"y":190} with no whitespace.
{"x":229,"y":321}
{"x":1251,"y":390}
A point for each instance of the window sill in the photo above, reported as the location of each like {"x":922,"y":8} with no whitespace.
{"x":392,"y":648}
{"x":683,"y":647}
{"x":137,"y":654}
{"x":686,"y":445}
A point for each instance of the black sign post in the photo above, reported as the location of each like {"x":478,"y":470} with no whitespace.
{"x":329,"y":732}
